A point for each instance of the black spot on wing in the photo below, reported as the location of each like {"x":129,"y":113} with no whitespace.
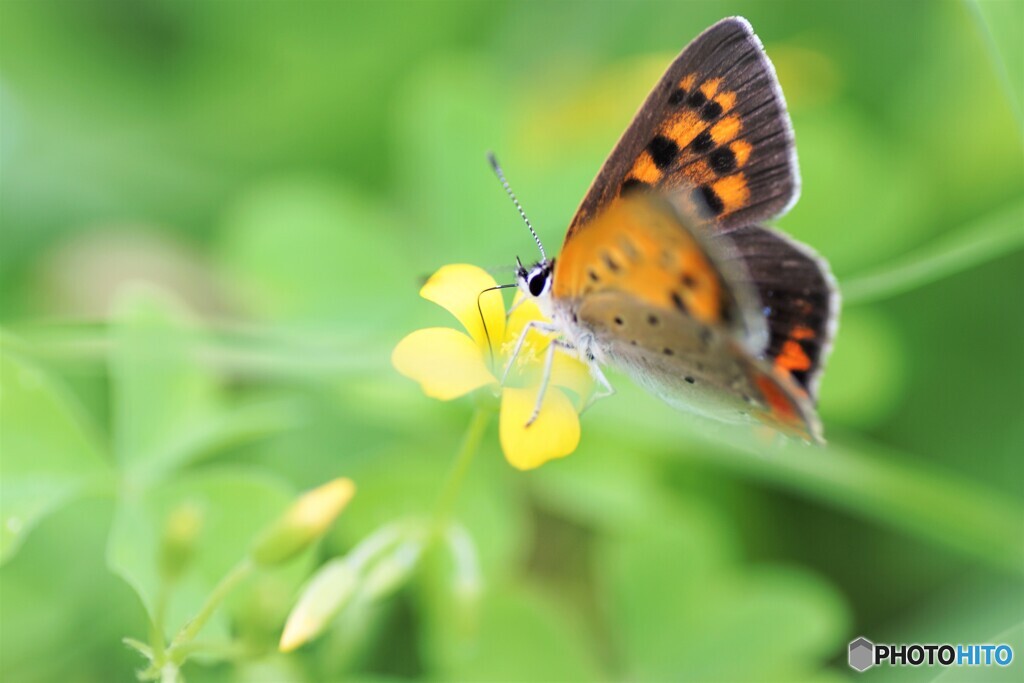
{"x":723,"y":161}
{"x":706,"y":196}
{"x":633,"y":185}
{"x":711,"y":111}
{"x":702,"y":142}
{"x":663,"y":151}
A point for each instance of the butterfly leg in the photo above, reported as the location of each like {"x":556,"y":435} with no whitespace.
{"x":532,"y":325}
{"x":545,"y":379}
{"x":606,"y":387}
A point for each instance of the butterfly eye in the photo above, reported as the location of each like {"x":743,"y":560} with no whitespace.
{"x":537,"y":283}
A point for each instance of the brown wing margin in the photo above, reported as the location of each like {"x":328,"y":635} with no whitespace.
{"x":715,"y":125}
{"x":799,"y":298}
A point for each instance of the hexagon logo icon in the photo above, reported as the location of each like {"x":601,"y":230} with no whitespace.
{"x":862,"y":654}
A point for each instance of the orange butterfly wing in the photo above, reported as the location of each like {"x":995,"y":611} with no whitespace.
{"x":640,"y":247}
{"x":714,"y":127}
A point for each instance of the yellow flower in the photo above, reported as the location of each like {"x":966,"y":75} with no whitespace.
{"x":447,"y":364}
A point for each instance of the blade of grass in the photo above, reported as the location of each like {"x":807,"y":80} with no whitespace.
{"x":985,"y":16}
{"x":990,"y":237}
{"x":864,"y":479}
{"x":884,"y":486}
{"x":250,"y":350}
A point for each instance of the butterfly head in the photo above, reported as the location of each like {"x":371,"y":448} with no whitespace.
{"x":535,"y":281}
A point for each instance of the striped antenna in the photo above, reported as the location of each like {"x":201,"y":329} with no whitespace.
{"x":504,"y":183}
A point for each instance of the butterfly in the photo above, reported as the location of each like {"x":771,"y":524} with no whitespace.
{"x":666,"y":272}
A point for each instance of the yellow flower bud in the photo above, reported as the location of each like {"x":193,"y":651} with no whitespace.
{"x":378,"y":565}
{"x":303,"y":523}
{"x":392,"y":570}
{"x":179,"y":538}
{"x":321,"y":600}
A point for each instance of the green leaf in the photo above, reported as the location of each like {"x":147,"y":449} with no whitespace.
{"x":167,"y":408}
{"x":603,"y":488}
{"x":240,"y":424}
{"x":522,"y":637}
{"x":308,"y":249}
{"x":158,"y":390}
{"x":236,"y":506}
{"x":50,"y":454}
{"x":682,"y":618}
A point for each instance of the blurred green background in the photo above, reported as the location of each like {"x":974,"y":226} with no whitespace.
{"x":215,"y":219}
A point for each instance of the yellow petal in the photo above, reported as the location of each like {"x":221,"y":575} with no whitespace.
{"x":554,"y":434}
{"x":445,"y":362}
{"x":522,"y":313}
{"x":456,"y":288}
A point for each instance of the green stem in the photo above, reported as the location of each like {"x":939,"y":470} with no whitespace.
{"x":977,"y":242}
{"x":221,"y":650}
{"x":231,"y":580}
{"x":170,"y":674}
{"x":467,"y":451}
{"x":156,"y":625}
